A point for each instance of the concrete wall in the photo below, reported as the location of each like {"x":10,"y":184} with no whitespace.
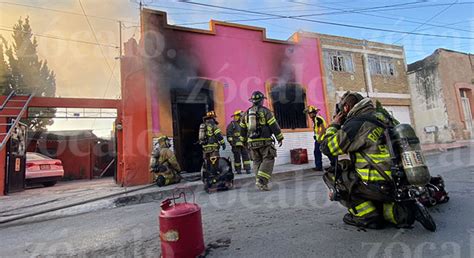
{"x":435,"y":87}
{"x":454,"y":68}
{"x":428,"y":106}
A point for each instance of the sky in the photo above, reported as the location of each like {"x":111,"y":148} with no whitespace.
{"x":83,"y":50}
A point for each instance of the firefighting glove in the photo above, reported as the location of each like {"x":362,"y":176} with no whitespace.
{"x":314,"y":137}
{"x":280,"y":143}
{"x":223,"y":146}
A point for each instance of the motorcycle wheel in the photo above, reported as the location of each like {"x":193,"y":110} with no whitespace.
{"x":423,"y":216}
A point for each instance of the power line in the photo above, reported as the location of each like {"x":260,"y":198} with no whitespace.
{"x":330,"y":23}
{"x":64,"y":39}
{"x":387,"y":17}
{"x":96,"y":39}
{"x":65,"y":12}
{"x":427,"y":21}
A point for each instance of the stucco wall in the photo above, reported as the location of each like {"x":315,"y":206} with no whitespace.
{"x":238,"y":58}
{"x":454,"y":68}
{"x":428,"y":106}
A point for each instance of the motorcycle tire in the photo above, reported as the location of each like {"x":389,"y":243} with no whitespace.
{"x":423,"y":216}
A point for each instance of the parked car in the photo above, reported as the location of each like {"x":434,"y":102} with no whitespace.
{"x":42,"y":169}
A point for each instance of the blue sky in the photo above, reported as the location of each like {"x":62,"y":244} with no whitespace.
{"x":92,"y":70}
{"x":447,"y":18}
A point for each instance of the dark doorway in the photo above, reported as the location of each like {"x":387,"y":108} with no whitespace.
{"x":188,"y":110}
{"x":16,"y":159}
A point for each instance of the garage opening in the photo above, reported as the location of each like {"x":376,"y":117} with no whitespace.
{"x":189,"y":105}
{"x":80,"y":141}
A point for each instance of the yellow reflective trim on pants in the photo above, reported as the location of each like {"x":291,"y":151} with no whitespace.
{"x":217,"y":131}
{"x":237,"y":164}
{"x":363,"y":209}
{"x":264,"y":175}
{"x":259,"y":139}
{"x":388,"y":212}
{"x":271,"y":121}
{"x":371,"y":174}
{"x":248,"y":162}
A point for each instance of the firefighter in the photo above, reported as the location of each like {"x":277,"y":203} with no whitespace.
{"x":235,"y":136}
{"x":319,"y":128}
{"x":357,"y":130}
{"x":210,"y":136}
{"x":261,"y":125}
{"x":164,"y":165}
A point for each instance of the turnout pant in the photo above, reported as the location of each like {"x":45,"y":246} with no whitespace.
{"x":263,"y":162}
{"x":241,"y":155}
{"x":366,"y":201}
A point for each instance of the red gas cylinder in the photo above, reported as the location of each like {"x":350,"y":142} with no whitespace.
{"x":180,"y":229}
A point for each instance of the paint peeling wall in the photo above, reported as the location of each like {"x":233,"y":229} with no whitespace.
{"x":428,"y":104}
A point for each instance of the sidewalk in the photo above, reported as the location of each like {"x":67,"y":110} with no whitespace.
{"x":84,"y":196}
{"x":442,"y":147}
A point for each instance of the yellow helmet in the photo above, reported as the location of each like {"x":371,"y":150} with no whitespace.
{"x":237,"y":113}
{"x":311,"y":109}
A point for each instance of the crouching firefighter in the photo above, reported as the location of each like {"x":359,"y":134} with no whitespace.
{"x":163,"y":163}
{"x":216,"y":172}
{"x":364,"y":184}
{"x":261,"y":126}
{"x":236,"y":138}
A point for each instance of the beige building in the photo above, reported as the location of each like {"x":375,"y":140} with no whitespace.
{"x":373,"y":69}
{"x":442,"y":86}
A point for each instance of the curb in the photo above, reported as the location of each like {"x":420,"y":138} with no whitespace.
{"x":441,"y":150}
{"x":158,"y":194}
{"x":149,"y":193}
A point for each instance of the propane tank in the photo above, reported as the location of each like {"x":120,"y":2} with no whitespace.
{"x":413,"y":162}
{"x":202,"y":132}
{"x":252,"y":122}
{"x":181,"y":232}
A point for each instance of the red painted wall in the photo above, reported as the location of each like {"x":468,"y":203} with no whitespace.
{"x":135,"y":136}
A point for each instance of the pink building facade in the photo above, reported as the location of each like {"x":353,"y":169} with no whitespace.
{"x":186,"y":72}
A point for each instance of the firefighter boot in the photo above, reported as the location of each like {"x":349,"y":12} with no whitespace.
{"x":371,"y":222}
{"x":262,"y":185}
{"x":248,"y":172}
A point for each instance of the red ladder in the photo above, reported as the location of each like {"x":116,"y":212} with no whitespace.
{"x":15,"y":105}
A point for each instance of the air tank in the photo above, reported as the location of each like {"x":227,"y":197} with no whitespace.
{"x":413,"y":162}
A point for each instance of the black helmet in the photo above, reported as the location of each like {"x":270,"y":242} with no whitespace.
{"x":257,"y":97}
{"x":356,"y":97}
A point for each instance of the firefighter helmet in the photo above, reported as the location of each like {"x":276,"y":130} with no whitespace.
{"x":164,"y":141}
{"x":311,"y":109}
{"x":348,"y":94}
{"x":257,"y":97}
{"x":210,"y":114}
{"x":237,"y":113}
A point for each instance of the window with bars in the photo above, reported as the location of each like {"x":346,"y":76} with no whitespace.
{"x":381,"y":65}
{"x":288,"y":105}
{"x":339,"y":61}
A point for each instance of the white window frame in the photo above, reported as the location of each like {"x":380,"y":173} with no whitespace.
{"x":339,"y":61}
{"x":382,"y":65}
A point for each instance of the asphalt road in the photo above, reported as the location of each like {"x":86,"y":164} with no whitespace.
{"x":295,"y":219}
